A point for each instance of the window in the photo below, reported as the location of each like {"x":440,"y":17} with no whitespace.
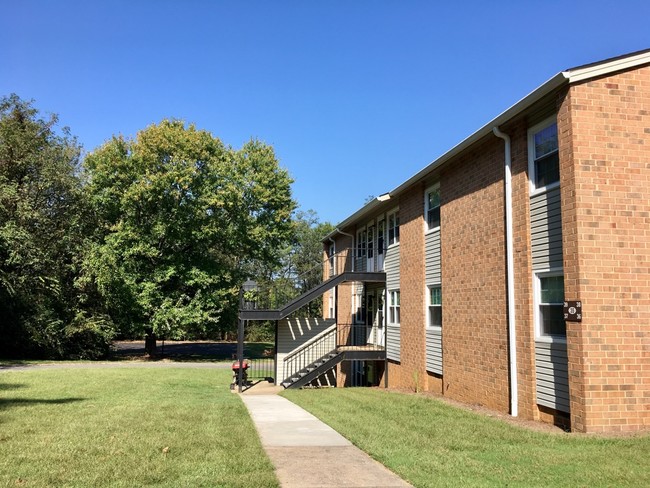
{"x":432,"y":207}
{"x":380,"y":236}
{"x":393,"y":307}
{"x":332,"y":305}
{"x":435,"y":306}
{"x":544,"y":159}
{"x":331,"y":252}
{"x":358,"y":306}
{"x":550,"y":301}
{"x":361,"y":243}
{"x":393,"y":228}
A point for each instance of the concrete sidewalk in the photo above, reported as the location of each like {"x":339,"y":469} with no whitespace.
{"x":307,"y":453}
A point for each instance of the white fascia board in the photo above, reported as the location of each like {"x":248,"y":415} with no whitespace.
{"x":566,"y":77}
{"x":607,"y":67}
{"x":552,"y":84}
{"x":367,"y":209}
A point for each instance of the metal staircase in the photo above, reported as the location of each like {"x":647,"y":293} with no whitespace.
{"x":317,"y":357}
{"x":308,"y":296}
{"x":313,"y":371}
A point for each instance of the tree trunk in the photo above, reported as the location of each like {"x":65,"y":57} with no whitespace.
{"x":150,"y":344}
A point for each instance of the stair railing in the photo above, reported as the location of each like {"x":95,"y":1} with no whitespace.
{"x":310,"y":352}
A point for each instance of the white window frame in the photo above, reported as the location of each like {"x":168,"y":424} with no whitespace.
{"x":426,"y":207}
{"x":537,"y":301}
{"x":531,"y":156}
{"x":332,"y":258}
{"x":360,"y":251}
{"x":332,"y":304}
{"x":394,"y":310}
{"x":429,"y":305}
{"x":357,"y":306}
{"x":395,"y":214}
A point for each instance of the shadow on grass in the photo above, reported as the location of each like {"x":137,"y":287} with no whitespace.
{"x":11,"y":386}
{"x":6,"y":403}
{"x":189,"y":351}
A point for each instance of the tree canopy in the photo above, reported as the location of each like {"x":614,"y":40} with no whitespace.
{"x":42,"y":225}
{"x":182,"y":220}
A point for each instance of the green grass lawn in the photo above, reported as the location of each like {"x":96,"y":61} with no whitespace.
{"x":430,"y":443}
{"x":127,"y":427}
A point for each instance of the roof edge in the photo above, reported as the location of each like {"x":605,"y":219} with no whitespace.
{"x":552,"y":84}
{"x":605,"y":67}
{"x":566,"y":77}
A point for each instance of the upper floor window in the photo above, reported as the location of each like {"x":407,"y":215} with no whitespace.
{"x":393,"y":228}
{"x":544,"y":160}
{"x":361,"y":243}
{"x":432,"y":207}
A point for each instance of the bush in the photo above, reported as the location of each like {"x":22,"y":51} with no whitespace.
{"x":88,"y":337}
{"x":260,"y":332}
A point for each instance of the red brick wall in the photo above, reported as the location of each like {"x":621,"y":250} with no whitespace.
{"x":475,"y":339}
{"x":604,"y":128}
{"x":411,"y":372}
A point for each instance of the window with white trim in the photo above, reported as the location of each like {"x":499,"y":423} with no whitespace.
{"x":393,"y":307}
{"x":435,"y":306}
{"x":361,"y":243}
{"x":332,"y":305}
{"x":549,"y":304}
{"x":432,"y":207}
{"x":357,"y":306}
{"x":393,"y":228}
{"x":543,"y":156}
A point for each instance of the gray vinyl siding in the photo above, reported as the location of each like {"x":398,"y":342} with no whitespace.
{"x":432,"y":257}
{"x":433,"y":277}
{"x":294,"y":333}
{"x":551,"y":362}
{"x":546,"y":230}
{"x":552,"y":375}
{"x":391,"y":267}
{"x":360,"y":263}
{"x":393,"y":343}
{"x":434,"y":350}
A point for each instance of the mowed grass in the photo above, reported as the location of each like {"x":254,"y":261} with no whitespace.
{"x":430,"y":443}
{"x":127,"y":427}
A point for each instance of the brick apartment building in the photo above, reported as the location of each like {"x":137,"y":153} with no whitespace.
{"x":548,"y":203}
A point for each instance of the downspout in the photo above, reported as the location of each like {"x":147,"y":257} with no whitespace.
{"x":510,"y":285}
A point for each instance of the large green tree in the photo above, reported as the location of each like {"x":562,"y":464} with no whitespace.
{"x":183,"y":220}
{"x":42,"y":222}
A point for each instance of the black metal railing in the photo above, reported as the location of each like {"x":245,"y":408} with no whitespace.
{"x":365,"y":336}
{"x":276,"y":290}
{"x":261,"y":369}
{"x":315,"y":350}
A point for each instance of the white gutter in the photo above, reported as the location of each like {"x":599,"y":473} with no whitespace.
{"x":510,"y":279}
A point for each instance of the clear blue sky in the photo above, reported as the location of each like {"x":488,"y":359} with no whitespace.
{"x":355,"y":96}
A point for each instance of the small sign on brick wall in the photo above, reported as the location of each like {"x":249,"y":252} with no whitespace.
{"x":573,"y":311}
